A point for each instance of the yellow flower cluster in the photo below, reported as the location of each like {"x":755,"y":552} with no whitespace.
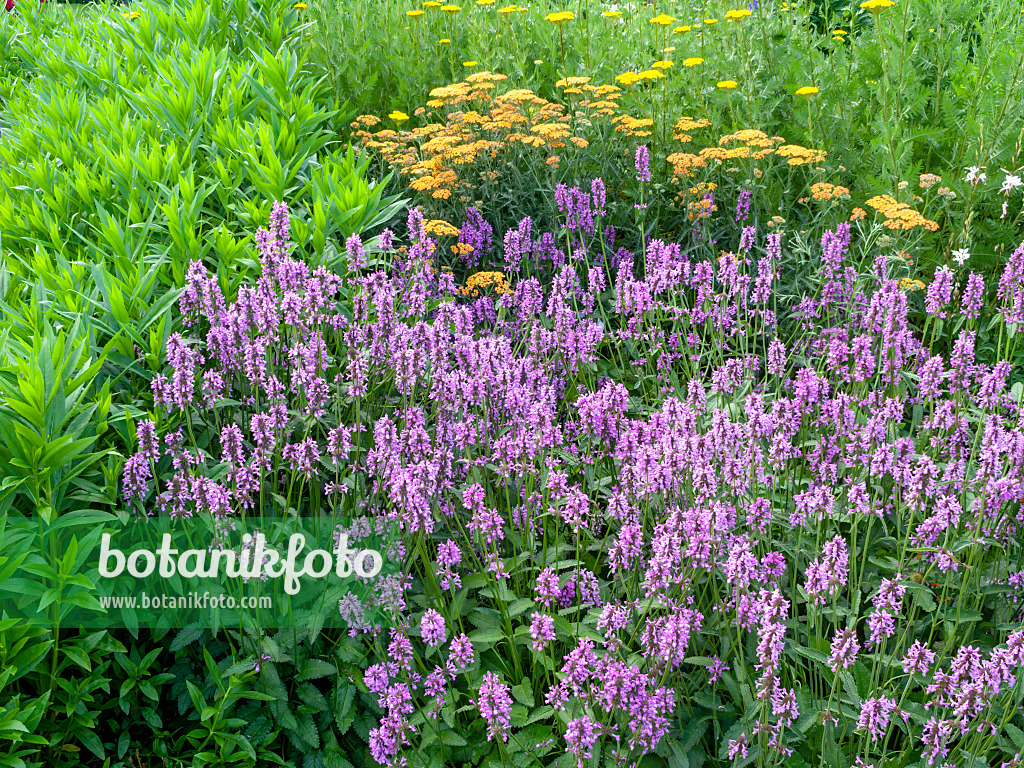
{"x":877,"y":6}
{"x":479,"y":283}
{"x":559,"y":18}
{"x":900,"y":215}
{"x":629,"y":78}
{"x":798,"y":155}
{"x":440,"y":228}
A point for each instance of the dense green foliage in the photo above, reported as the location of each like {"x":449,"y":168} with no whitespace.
{"x":137,"y":140}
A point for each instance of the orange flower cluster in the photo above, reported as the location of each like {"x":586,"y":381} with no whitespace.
{"x":633,"y":126}
{"x":686,"y":124}
{"x":745,"y":144}
{"x":900,"y":215}
{"x":479,"y":283}
{"x":683,"y":164}
{"x":478,"y":124}
{"x":825,"y":191}
{"x":473,"y":124}
{"x":697,"y":207}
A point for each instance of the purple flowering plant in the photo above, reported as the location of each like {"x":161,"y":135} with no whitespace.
{"x":653,"y":508}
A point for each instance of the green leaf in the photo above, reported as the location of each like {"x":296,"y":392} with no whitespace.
{"x":313,"y":669}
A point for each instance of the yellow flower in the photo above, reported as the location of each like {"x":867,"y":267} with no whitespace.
{"x":300,"y":6}
{"x":131,"y":16}
{"x":559,"y":18}
{"x":736,"y":15}
{"x":650,"y":74}
{"x":415,"y":13}
{"x":452,"y":9}
{"x":444,"y":41}
{"x":694,"y":61}
{"x":507,"y":10}
{"x":680,"y":30}
{"x":807,"y":90}
{"x":839,"y":32}
{"x":909,"y":285}
{"x":398,"y":117}
{"x":432,"y":4}
{"x":661,"y":64}
{"x":485,"y":2}
{"x":628,"y":78}
{"x":469,"y":63}
{"x":876,"y":6}
{"x":612,"y":14}
{"x":663,"y":20}
{"x":710,"y":21}
{"x":727,"y":85}
{"x":479,"y":282}
{"x":668,"y":49}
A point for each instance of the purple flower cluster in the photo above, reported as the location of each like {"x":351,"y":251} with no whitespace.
{"x":658,"y":449}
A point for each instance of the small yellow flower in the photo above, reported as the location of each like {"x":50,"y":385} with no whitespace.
{"x":807,"y":90}
{"x":507,"y":10}
{"x":680,"y":30}
{"x":131,"y":16}
{"x":710,"y":21}
{"x":559,"y":18}
{"x":839,"y":32}
{"x":876,"y":6}
{"x":469,"y":63}
{"x":398,"y":117}
{"x":628,"y":78}
{"x":661,"y":64}
{"x":485,"y":2}
{"x":663,"y":20}
{"x":451,"y":9}
{"x":694,"y":61}
{"x":727,"y":85}
{"x":300,"y":6}
{"x":650,"y":74}
{"x":432,"y":4}
{"x":612,"y":14}
{"x":444,"y":41}
{"x":415,"y":13}
{"x":736,"y":15}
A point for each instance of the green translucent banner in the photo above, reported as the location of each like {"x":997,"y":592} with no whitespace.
{"x":102,"y":571}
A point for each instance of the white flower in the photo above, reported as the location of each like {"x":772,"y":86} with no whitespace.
{"x":1010,"y":182}
{"x":961,"y":256}
{"x":974,"y":175}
